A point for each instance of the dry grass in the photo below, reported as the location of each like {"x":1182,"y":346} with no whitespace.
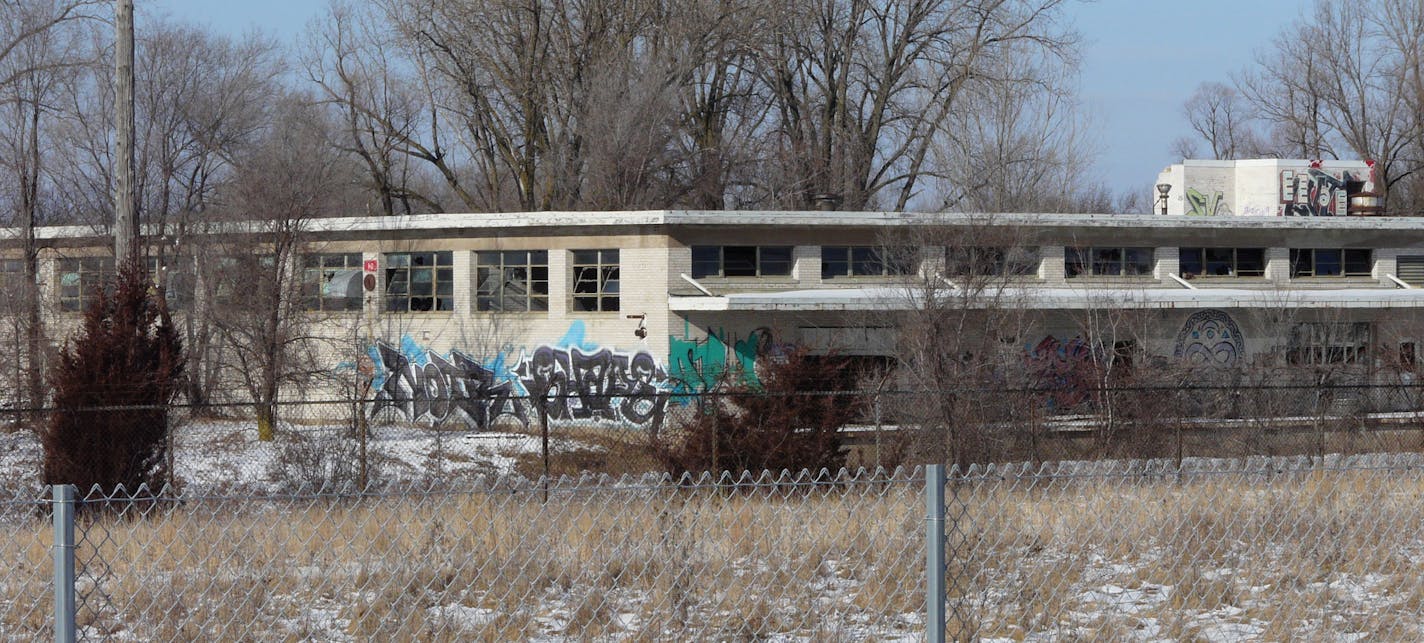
{"x":1205,"y":556}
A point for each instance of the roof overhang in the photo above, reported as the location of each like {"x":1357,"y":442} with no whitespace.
{"x":890,"y":299}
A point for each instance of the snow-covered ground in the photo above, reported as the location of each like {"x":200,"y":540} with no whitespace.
{"x":212,"y":457}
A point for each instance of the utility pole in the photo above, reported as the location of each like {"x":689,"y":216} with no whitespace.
{"x":125,"y":219}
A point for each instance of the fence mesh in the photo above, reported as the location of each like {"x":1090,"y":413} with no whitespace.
{"x":1213,"y":513}
{"x":26,"y":573}
{"x":1265,"y":549}
{"x":808,"y":557}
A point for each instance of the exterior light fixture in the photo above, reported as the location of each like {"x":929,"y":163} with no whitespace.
{"x":1162,"y":190}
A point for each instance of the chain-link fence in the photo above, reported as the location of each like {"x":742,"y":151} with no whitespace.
{"x":1262,"y":549}
{"x":1214,"y":513}
{"x":1247,"y":549}
{"x":808,"y":557}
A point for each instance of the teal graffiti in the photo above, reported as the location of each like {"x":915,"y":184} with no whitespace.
{"x":700,"y":364}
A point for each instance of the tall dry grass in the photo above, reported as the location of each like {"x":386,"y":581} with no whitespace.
{"x":1278,"y":552}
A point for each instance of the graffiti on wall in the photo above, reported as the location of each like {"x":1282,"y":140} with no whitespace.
{"x":1202,"y":204}
{"x":1210,"y":338}
{"x":1067,"y":369}
{"x":602,"y":385}
{"x":700,"y":364}
{"x":423,"y":386}
{"x":579,"y":380}
{"x":1317,"y":192}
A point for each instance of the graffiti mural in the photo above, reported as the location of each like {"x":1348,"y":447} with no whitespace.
{"x":422,"y":386}
{"x":581,"y":382}
{"x":1204,"y":205}
{"x":1317,"y":192}
{"x":603,"y":385}
{"x":1067,"y":369}
{"x":1211,"y":338}
{"x":699,"y":364}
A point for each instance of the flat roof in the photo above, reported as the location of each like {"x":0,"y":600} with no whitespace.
{"x":452,"y":223}
{"x":892,"y":298}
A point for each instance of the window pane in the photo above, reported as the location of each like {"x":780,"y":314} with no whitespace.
{"x":1107,"y":261}
{"x":775,"y":260}
{"x":1219,"y":261}
{"x":1189,"y":261}
{"x":835,"y":262}
{"x":706,"y":261}
{"x":1075,"y":261}
{"x":1357,"y":262}
{"x":1250,"y":262}
{"x":1300,"y":261}
{"x":1327,"y":263}
{"x":739,"y":261}
{"x":1137,"y":261}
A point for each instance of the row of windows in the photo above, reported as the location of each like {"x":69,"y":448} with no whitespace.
{"x":518,"y":280}
{"x":873,"y":261}
{"x":1220,"y":262}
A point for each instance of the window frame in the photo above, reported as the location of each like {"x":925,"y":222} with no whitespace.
{"x":1086,"y":261}
{"x":317,"y":275}
{"x":1233,"y":264}
{"x":875,"y":262}
{"x":1343,"y":261}
{"x":440,"y":262}
{"x":964,"y":261}
{"x":759,"y":262}
{"x":181,"y":289}
{"x":102,"y":276}
{"x":493,"y":301}
{"x":1329,"y":343}
{"x":606,"y":268}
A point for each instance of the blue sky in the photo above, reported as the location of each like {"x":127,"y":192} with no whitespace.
{"x":1142,"y":59}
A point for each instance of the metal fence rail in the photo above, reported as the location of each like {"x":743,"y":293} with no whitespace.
{"x":1256,"y":549}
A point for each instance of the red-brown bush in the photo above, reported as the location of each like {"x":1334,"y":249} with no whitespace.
{"x":111,"y":390}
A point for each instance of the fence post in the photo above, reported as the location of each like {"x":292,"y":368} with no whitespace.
{"x":934,"y":553}
{"x":64,"y":604}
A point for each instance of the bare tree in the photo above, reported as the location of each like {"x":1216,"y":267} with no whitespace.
{"x":1344,"y":80}
{"x":961,"y":339}
{"x":1223,"y":122}
{"x":1019,"y":146}
{"x":861,"y":89}
{"x":38,"y":50}
{"x":269,"y":341}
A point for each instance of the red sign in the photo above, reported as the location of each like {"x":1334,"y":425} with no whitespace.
{"x":370,"y":265}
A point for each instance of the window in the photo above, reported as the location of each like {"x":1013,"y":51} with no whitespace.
{"x":12,"y":274}
{"x":420,"y":281}
{"x":1114,"y":262}
{"x":1328,"y":342}
{"x":332,"y":281}
{"x":1407,"y":357}
{"x":595,"y":280}
{"x":175,"y":276}
{"x":80,"y":280}
{"x":515,"y":280}
{"x":243,"y":280}
{"x":1330,"y":262}
{"x":741,"y":261}
{"x":1013,"y":262}
{"x":867,"y":261}
{"x":1223,"y":262}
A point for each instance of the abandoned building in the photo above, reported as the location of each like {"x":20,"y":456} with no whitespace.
{"x":631,"y":304}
